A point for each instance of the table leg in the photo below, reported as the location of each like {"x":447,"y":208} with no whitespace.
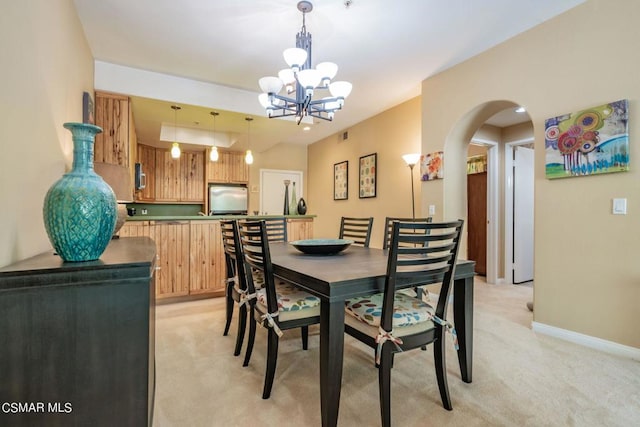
{"x":331,"y":354}
{"x":463,"y":319}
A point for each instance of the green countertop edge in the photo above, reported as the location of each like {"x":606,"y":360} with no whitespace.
{"x":213,"y":217}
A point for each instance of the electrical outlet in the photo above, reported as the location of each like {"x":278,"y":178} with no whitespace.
{"x":432,"y":209}
{"x":144,"y":211}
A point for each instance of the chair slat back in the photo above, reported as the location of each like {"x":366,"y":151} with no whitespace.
{"x":421,"y":252}
{"x":388,"y":227}
{"x":276,"y":229}
{"x":254,"y":240}
{"x":356,"y":229}
{"x":233,"y":251}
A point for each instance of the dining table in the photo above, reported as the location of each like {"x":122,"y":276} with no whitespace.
{"x":359,"y":271}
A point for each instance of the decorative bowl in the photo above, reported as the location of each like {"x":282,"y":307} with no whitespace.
{"x":321,"y":246}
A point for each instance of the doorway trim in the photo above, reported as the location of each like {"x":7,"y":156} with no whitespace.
{"x":493,"y":165}
{"x":508,"y":205}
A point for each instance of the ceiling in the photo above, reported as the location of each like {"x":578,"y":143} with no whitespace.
{"x":386,"y":49}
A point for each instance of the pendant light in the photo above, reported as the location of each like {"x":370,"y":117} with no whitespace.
{"x":213,"y":154}
{"x":175,"y":147}
{"x":248,"y":158}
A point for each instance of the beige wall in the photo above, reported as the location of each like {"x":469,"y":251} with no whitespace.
{"x":587,"y":276}
{"x":283,"y":157}
{"x":47,"y":65}
{"x":390,"y":134}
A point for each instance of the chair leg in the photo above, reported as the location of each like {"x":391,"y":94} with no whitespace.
{"x":272,"y":358}
{"x":242,"y":326}
{"x":252,"y":337}
{"x":384,"y":383}
{"x":230,"y":302}
{"x":441,"y":369}
{"x":305,"y":337}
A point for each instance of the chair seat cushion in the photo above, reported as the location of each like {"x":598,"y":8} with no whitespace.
{"x":258,"y":278}
{"x":408,"y":311}
{"x":290,"y":298}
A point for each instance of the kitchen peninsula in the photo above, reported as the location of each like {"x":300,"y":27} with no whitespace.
{"x":190,"y":254}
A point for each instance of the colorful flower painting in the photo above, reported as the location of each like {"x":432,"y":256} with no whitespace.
{"x":431,"y":166}
{"x":589,"y":142}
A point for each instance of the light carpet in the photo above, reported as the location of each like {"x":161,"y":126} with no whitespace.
{"x":519,"y":378}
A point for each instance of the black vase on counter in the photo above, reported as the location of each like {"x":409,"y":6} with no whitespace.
{"x":286,"y":197}
{"x":302,"y":207}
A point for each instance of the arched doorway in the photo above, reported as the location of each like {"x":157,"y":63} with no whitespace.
{"x":499,"y":181}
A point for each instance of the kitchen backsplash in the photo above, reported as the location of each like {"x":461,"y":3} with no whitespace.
{"x":164,"y":209}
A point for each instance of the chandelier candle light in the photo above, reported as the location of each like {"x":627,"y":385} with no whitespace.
{"x":304,"y":80}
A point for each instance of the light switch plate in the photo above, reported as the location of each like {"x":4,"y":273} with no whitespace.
{"x":432,"y":209}
{"x":619,"y":207}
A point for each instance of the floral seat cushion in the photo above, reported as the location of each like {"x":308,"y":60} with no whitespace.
{"x":258,"y":278}
{"x":290,"y":298}
{"x":408,"y":310}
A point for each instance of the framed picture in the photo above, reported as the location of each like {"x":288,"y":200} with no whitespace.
{"x":431,"y":166}
{"x":368,"y":171}
{"x":341,"y":180}
{"x":88,"y":108}
{"x":589,"y":142}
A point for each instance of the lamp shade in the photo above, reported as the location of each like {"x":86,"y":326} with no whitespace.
{"x":340,"y":89}
{"x":327,"y":70}
{"x":286,"y":75}
{"x":118,"y":178}
{"x":411,"y":159}
{"x":213,"y":154}
{"x":175,"y":150}
{"x":270,"y":84}
{"x":295,"y":57}
{"x":309,"y":78}
{"x":263,"y":98}
{"x":248,"y":158}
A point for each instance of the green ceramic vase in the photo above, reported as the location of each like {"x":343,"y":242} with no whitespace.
{"x":80,"y":208}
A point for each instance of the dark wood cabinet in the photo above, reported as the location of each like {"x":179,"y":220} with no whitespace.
{"x":77,"y":338}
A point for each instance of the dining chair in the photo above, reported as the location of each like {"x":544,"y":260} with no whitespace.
{"x":236,"y":286}
{"x":276,"y":229}
{"x":391,"y":321}
{"x":356,"y":229}
{"x":388,"y":221}
{"x":278,"y":306}
{"x":388,"y":227}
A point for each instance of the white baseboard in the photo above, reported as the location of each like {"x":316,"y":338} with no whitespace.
{"x":587,"y":341}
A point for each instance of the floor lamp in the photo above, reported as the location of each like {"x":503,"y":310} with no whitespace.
{"x":412,"y":160}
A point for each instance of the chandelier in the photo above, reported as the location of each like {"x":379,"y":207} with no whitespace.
{"x":301,"y":82}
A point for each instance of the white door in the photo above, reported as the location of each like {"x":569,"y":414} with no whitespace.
{"x":523,"y":215}
{"x":272,"y":190}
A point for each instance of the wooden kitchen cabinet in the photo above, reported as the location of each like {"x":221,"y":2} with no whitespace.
{"x":112,"y":115}
{"x":206,"y":260}
{"x":230,"y":168}
{"x":179,"y":180}
{"x":239,"y":169}
{"x":192,"y":177}
{"x":172,"y":242}
{"x":299,"y":228}
{"x":147,"y":160}
{"x":168,"y":177}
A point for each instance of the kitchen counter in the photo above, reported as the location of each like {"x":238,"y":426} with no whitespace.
{"x":204,"y":217}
